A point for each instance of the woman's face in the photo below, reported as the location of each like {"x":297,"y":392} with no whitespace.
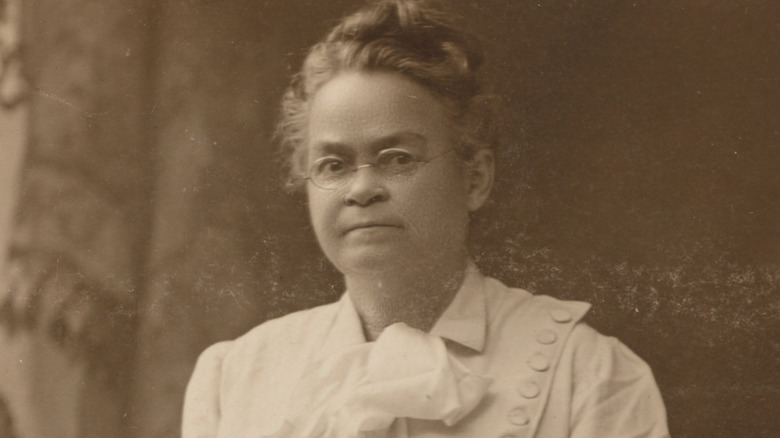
{"x":372,"y":224}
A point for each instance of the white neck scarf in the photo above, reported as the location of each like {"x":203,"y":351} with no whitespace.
{"x":359,"y":392}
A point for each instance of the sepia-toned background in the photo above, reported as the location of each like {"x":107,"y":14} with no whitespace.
{"x":142,"y":215}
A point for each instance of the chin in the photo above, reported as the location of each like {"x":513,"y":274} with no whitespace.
{"x":372,"y":261}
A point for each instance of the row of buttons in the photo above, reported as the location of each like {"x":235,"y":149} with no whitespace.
{"x":530,"y":389}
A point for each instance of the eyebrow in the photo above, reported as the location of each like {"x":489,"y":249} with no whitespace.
{"x":418,"y":141}
{"x":331,"y":148}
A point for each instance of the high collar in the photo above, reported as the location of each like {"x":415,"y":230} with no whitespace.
{"x":464,"y":321}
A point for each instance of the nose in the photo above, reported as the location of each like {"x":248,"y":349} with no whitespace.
{"x":364,"y":187}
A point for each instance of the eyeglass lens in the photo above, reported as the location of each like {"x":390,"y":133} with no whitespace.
{"x":333,"y":172}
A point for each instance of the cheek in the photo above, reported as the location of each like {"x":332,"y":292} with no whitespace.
{"x":319,"y":213}
{"x":450,"y":188}
{"x":441,"y":204}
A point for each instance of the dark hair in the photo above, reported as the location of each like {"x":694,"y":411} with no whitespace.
{"x":416,"y":38}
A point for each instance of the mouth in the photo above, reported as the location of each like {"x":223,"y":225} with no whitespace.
{"x":370,"y":225}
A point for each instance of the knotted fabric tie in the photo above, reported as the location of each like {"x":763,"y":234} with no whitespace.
{"x":359,"y":392}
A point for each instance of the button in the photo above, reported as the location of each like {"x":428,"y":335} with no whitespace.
{"x":546,"y":337}
{"x":529,"y":389}
{"x":561,"y":315}
{"x":539,"y":362}
{"x":518,"y":417}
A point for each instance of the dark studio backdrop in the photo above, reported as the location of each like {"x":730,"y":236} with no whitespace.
{"x":640,"y":174}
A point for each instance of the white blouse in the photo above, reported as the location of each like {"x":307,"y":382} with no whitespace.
{"x":499,"y":362}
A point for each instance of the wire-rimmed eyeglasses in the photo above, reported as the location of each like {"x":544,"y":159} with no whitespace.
{"x":333,"y":172}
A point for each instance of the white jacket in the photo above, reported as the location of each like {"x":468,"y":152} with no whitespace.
{"x":550,"y":375}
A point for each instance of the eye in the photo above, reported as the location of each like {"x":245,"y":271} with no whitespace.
{"x":397,"y":159}
{"x":329,"y":167}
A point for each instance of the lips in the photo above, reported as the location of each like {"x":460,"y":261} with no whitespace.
{"x":371,"y":224}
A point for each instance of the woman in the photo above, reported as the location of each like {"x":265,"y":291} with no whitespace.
{"x":387,"y":133}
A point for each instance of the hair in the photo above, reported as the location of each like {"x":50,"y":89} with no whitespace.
{"x":416,"y":38}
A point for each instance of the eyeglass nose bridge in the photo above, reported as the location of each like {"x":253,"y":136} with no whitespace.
{"x":353,"y":173}
{"x":362,"y":166}
{"x":361,"y":191}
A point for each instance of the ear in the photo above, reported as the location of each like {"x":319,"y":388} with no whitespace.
{"x":481,"y":170}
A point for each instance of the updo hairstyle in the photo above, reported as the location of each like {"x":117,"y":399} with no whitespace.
{"x":416,"y":38}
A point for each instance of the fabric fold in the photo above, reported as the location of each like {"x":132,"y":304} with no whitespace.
{"x":359,"y":392}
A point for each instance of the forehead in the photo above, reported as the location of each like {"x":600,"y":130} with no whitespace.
{"x":358,"y":109}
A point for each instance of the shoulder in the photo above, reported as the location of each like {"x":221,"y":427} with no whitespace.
{"x":238,"y":376}
{"x":272,"y":338}
{"x":552,"y":310}
{"x":591,"y":353}
{"x":613,"y":391}
{"x":201,"y":401}
{"x":552,"y":331}
{"x":519,"y":311}
{"x":290,"y":329}
{"x":596,"y":359}
{"x":573,"y":371}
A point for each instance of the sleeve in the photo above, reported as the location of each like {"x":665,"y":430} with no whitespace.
{"x":201,"y":401}
{"x":615,"y":394}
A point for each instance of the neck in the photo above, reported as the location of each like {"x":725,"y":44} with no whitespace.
{"x":416,"y":295}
